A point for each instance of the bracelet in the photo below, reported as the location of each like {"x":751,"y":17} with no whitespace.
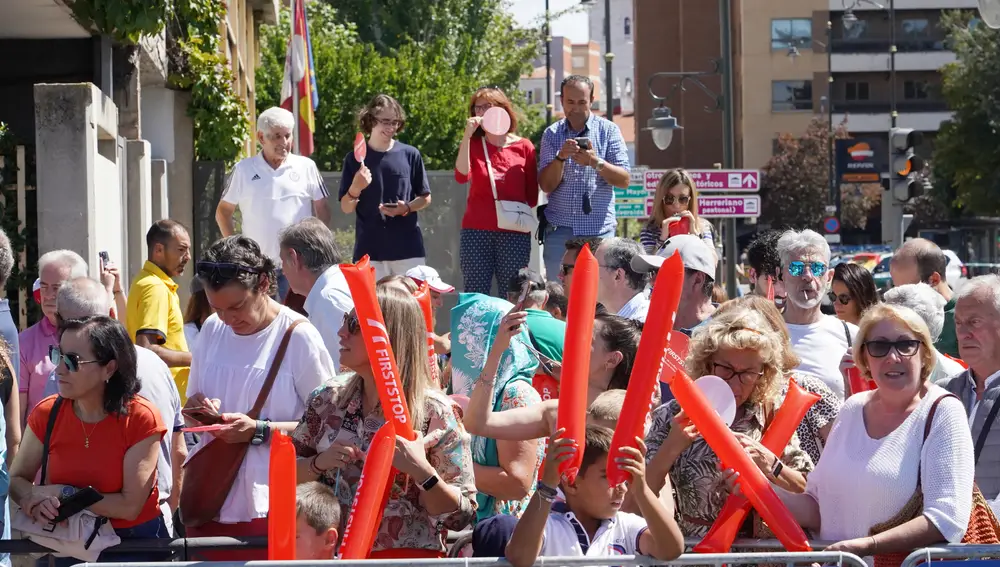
{"x":546,"y":492}
{"x":353,"y":198}
{"x":314,"y":467}
{"x":117,"y":291}
{"x":560,"y":159}
{"x":408,"y":209}
{"x":874,"y":545}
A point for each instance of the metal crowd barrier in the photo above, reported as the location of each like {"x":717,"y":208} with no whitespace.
{"x":958,"y":551}
{"x":789,"y":559}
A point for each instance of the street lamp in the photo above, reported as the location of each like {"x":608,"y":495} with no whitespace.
{"x":662,"y":126}
{"x":608,"y":57}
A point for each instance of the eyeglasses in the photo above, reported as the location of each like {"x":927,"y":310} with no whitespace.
{"x":220,"y":273}
{"x":389,"y":123}
{"x":70,"y":359}
{"x":669,"y":199}
{"x":843,"y":298}
{"x":565,"y":269}
{"x":727,"y":373}
{"x":482,"y":108}
{"x":797,"y":268}
{"x":880,"y":349}
{"x":351,"y":323}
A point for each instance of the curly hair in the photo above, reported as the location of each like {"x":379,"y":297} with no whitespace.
{"x":740,"y":329}
{"x":243,"y":251}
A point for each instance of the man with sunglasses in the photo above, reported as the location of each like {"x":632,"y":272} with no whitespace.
{"x":568,"y":261}
{"x":820,"y":340}
{"x":273,"y":189}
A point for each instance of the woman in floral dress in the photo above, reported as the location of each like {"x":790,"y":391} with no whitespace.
{"x":434,"y":490}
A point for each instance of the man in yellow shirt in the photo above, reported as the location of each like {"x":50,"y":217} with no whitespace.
{"x":154,"y":317}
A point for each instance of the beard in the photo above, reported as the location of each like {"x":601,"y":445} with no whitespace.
{"x":799,"y":300}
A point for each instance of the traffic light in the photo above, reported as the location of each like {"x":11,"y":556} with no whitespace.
{"x":904,"y":164}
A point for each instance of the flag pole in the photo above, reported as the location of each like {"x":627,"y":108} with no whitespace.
{"x":295,"y":84}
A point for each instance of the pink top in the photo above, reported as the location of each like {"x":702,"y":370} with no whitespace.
{"x":35,"y":365}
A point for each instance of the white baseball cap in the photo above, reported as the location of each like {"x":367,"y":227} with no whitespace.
{"x":431,"y":276}
{"x":695,"y":253}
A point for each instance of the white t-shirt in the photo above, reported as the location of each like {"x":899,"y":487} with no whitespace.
{"x":565,"y":537}
{"x":861,"y":482}
{"x":273,"y":199}
{"x":232,"y":368}
{"x":191,"y":335}
{"x":327,"y":303}
{"x":821,"y":346}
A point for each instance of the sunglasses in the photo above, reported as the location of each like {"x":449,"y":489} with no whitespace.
{"x":70,"y":359}
{"x":565,"y":269}
{"x":843,"y":298}
{"x":351,"y":323}
{"x":670,"y":199}
{"x":727,"y":373}
{"x":482,"y":108}
{"x":220,"y":273}
{"x":880,"y":349}
{"x":797,"y":268}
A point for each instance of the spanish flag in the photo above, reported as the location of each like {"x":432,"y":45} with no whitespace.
{"x":300,"y":79}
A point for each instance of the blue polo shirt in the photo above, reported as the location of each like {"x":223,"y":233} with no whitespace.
{"x":397,"y":175}
{"x":565,"y":205}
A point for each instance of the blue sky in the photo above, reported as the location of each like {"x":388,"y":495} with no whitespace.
{"x":573,"y":26}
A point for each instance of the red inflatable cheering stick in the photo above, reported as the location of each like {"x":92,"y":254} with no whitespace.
{"x":648,"y":363}
{"x":369,"y":497}
{"x":423,"y":295}
{"x":786,"y":420}
{"x":576,"y":358}
{"x":361,"y":280}
{"x":281,"y":495}
{"x":719,"y":437}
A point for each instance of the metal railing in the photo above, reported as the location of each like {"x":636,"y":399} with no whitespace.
{"x":718,"y":559}
{"x":958,"y":551}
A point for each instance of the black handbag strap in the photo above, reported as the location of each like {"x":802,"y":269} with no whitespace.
{"x":847,"y":334}
{"x":981,"y":440}
{"x":53,"y":415}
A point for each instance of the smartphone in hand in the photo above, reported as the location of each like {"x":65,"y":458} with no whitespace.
{"x":105,"y":259}
{"x":525,"y":288}
{"x":583,"y":143}
{"x":77,"y":502}
{"x":390,"y":205}
{"x":206,"y":414}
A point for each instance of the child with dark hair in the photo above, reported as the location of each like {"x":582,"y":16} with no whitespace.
{"x":590,"y":523}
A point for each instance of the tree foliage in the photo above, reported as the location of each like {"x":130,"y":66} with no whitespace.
{"x":967,"y":148}
{"x":795,"y":185}
{"x":432,"y":76}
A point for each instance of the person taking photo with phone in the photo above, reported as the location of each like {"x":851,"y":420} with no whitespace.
{"x":385,"y":189}
{"x":583,"y":158}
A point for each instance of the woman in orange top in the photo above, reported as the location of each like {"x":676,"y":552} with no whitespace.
{"x":104,"y":436}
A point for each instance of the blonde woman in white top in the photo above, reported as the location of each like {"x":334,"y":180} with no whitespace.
{"x":870,"y":464}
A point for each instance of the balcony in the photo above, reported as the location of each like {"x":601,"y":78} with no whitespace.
{"x":873,"y":62}
{"x":881,"y":45}
{"x":841,"y":5}
{"x":883,"y":106}
{"x":874,"y":116}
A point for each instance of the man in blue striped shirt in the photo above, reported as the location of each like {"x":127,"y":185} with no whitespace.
{"x":583,"y":158}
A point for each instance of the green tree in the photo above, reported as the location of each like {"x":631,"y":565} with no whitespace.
{"x":424,"y":76}
{"x":795,"y":185}
{"x":966,"y":159}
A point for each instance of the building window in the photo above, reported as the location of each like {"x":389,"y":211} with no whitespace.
{"x":791,"y":95}
{"x":531,"y":97}
{"x":916,"y":27}
{"x":857,"y":30}
{"x":538,"y":96}
{"x":788,"y":33}
{"x":628,"y":26}
{"x":916,"y":90}
{"x":856,"y":90}
{"x":628,"y":87}
{"x":579,"y":61}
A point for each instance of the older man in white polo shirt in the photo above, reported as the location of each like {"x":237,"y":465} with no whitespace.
{"x":273,"y":189}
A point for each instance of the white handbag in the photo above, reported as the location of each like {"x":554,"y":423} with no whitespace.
{"x":511,"y":215}
{"x":83,"y":536}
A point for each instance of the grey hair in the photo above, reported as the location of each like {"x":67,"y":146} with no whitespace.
{"x":82,"y":297}
{"x":618,"y":254}
{"x":67,"y":258}
{"x":990,"y":284}
{"x":797,"y":244}
{"x":313,"y":241}
{"x":275,"y":117}
{"x":6,"y":258}
{"x":924,"y":301}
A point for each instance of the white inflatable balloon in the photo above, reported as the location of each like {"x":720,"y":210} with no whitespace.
{"x":719,"y":396}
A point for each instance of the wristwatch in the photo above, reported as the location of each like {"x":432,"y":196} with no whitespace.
{"x":260,"y":434}
{"x":599,"y":165}
{"x":776,"y":470}
{"x":429,"y":483}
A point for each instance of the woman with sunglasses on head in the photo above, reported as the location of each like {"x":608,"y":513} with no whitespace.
{"x":742,"y":349}
{"x":102,"y":434}
{"x":675,"y":201}
{"x":237,"y":350}
{"x":434,"y":489}
{"x":386,"y":190}
{"x":852,"y":292}
{"x":499,"y":168}
{"x":887,"y":444}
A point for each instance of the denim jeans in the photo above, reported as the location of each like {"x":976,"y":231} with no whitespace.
{"x":556,"y":238}
{"x":152,"y":529}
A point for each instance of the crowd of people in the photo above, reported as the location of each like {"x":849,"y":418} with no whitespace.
{"x":270,"y":342}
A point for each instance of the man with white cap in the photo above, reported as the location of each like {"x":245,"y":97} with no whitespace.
{"x":421,"y":274}
{"x":696,"y":305}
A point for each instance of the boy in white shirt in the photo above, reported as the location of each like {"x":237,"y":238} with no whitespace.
{"x":590,"y":523}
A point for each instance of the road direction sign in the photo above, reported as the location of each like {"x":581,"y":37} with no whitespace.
{"x":631,"y":210}
{"x":831,"y":225}
{"x":714,"y":180}
{"x":729,"y":206}
{"x":632,"y":193}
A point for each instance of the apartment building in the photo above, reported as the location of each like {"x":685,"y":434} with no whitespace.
{"x":567,"y":59}
{"x":623,"y":48}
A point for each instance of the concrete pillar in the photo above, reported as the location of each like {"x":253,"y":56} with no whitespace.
{"x":179,"y":176}
{"x":78,"y":171}
{"x":140,"y":205}
{"x":159,"y":186}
